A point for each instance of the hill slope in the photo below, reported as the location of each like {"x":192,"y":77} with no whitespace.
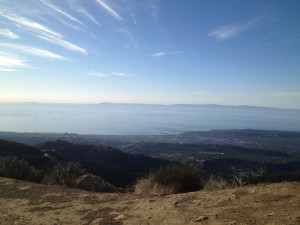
{"x":29,"y":203}
{"x":113,"y":165}
{"x":110,"y":163}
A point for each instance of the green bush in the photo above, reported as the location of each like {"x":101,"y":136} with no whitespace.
{"x":64,"y":174}
{"x":11,"y":167}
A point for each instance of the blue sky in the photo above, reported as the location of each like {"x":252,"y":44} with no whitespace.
{"x":233,"y":52}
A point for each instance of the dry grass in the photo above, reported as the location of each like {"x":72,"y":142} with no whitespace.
{"x":148,"y":187}
{"x":215,"y":182}
{"x":238,"y":181}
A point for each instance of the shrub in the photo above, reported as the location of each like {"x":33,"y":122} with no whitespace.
{"x":11,"y":167}
{"x":238,"y":181}
{"x":219,"y":182}
{"x":90,"y":182}
{"x":64,"y":174}
{"x":171,"y":179}
{"x":214,"y":182}
{"x":148,"y":187}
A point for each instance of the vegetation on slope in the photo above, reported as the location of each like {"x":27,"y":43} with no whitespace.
{"x":67,"y":161}
{"x":172,"y":179}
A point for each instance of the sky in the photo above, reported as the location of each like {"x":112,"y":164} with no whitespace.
{"x":232,"y":52}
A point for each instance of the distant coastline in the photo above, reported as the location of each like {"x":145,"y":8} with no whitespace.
{"x":147,"y":104}
{"x":146,"y":119}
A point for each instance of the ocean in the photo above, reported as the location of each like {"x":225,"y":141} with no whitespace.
{"x":118,"y":119}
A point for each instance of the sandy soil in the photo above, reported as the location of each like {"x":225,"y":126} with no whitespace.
{"x":28,"y":203}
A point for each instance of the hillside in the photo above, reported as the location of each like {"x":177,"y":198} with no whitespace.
{"x":30,"y":203}
{"x":255,"y":163}
{"x":118,"y":168}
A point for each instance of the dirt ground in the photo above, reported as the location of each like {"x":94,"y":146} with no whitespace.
{"x":34,"y":204}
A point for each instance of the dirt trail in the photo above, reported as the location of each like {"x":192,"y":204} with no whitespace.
{"x":33,"y":204}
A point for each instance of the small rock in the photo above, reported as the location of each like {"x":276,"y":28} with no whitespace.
{"x":270,"y":214}
{"x":176,"y":203}
{"x":201,"y":218}
{"x":152,"y":200}
{"x":120,"y":217}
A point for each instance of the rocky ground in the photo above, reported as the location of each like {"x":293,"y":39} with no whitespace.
{"x":29,"y":203}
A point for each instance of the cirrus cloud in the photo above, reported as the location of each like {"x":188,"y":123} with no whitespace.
{"x":43,"y":32}
{"x":233,"y":30}
{"x":162,"y":54}
{"x":56,"y":9}
{"x":11,"y":62}
{"x":33,"y":51}
{"x":8,"y":34}
{"x":109,"y":10}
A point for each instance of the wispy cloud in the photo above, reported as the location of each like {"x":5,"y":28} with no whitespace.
{"x":10,"y":62}
{"x":109,"y":10}
{"x":121,"y":74}
{"x":8,"y":34}
{"x":162,"y":54}
{"x":65,"y":44}
{"x":33,"y":51}
{"x":30,"y":25}
{"x":153,"y":9}
{"x":88,"y":15}
{"x":97,"y":74}
{"x":230,"y":31}
{"x":58,"y":10}
{"x":43,"y":32}
{"x":131,"y":41}
{"x":133,"y":19}
{"x":115,"y":74}
{"x":73,"y":26}
{"x":98,"y":39}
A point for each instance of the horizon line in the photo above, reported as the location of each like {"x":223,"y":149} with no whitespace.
{"x":138,"y":103}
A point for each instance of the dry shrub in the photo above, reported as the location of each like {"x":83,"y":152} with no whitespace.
{"x":238,"y":181}
{"x":148,"y":187}
{"x":215,"y":182}
{"x":171,"y":179}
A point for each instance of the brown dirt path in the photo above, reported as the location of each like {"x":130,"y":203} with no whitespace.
{"x":34,"y":204}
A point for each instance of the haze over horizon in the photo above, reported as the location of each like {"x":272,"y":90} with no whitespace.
{"x":152,"y":51}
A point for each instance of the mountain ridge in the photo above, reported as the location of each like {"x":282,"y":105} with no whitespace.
{"x":113,"y":165}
